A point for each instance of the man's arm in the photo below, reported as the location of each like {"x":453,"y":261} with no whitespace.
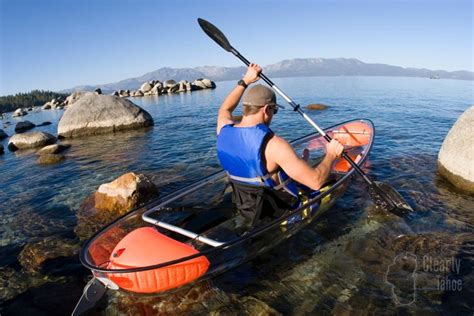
{"x":296,"y":168}
{"x":232,"y":100}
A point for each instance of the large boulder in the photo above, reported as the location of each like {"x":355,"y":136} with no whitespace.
{"x":97,"y":114}
{"x":456,"y":157}
{"x":24,"y":126}
{"x":201,"y":83}
{"x":19,"y":112}
{"x":112,"y":200}
{"x":169,"y":83}
{"x":47,"y":106}
{"x":146,"y":87}
{"x":208,"y":83}
{"x":76,"y":96}
{"x":3,"y":135}
{"x":157,"y":89}
{"x":30,"y":140}
{"x":137,"y":93}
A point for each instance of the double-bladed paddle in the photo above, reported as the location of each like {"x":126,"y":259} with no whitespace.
{"x":384,"y":195}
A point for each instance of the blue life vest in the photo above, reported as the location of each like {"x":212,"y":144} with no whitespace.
{"x":240,"y":151}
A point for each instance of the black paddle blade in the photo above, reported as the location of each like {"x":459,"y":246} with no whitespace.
{"x":388,"y":198}
{"x":93,"y":292}
{"x":213,"y":32}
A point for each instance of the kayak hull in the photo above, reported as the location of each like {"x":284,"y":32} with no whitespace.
{"x":136,"y":263}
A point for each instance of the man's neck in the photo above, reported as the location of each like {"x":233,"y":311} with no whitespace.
{"x":250,"y":120}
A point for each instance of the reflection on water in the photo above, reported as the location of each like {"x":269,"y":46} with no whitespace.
{"x":339,"y":264}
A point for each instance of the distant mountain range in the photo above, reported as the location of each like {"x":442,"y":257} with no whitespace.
{"x":297,"y":67}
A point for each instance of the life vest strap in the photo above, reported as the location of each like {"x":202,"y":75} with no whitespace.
{"x":260,"y":181}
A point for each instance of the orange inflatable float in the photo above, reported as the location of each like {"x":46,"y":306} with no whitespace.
{"x":146,"y":247}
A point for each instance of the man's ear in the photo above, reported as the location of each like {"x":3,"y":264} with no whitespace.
{"x":266,"y":109}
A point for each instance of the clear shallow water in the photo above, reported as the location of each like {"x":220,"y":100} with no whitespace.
{"x":338,"y":264}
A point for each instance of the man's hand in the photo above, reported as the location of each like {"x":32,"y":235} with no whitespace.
{"x":334,"y":149}
{"x":252,"y":74}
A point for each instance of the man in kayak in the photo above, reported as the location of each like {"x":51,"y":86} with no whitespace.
{"x":256,"y":159}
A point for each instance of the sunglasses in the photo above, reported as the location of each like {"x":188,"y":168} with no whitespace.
{"x":275,"y":109}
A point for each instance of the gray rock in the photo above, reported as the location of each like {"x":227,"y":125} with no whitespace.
{"x":189,"y":87}
{"x":46,"y":159}
{"x":173,"y":88}
{"x":97,"y":114}
{"x":169,"y":83}
{"x":98,"y":91}
{"x":44,"y":124}
{"x":138,"y":93}
{"x":19,"y":112}
{"x":30,"y":140}
{"x":47,"y":106}
{"x":208,"y":83}
{"x":3,"y":135}
{"x":76,"y":96}
{"x":146,"y":87}
{"x":24,"y":126}
{"x":116,"y":94}
{"x":455,"y":159}
{"x":182,"y":87}
{"x":53,"y":149}
{"x":199,"y":84}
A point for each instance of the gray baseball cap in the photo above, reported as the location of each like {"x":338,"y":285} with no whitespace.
{"x":259,"y":95}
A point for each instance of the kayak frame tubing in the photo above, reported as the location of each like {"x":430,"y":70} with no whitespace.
{"x":179,"y":230}
{"x":210,"y":179}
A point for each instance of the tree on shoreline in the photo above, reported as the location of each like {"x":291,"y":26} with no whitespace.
{"x":33,"y":98}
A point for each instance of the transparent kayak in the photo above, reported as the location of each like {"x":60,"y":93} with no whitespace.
{"x":196,"y":232}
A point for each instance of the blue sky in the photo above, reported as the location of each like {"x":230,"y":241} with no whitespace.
{"x":60,"y":44}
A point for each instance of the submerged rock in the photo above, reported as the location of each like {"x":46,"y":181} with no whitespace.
{"x":34,"y":255}
{"x":316,"y":106}
{"x":44,"y":124}
{"x":53,"y":149}
{"x":455,"y":159}
{"x":112,"y":200}
{"x":46,"y":159}
{"x":98,"y":114}
{"x":3,"y":135}
{"x":30,"y":140}
{"x":24,"y":126}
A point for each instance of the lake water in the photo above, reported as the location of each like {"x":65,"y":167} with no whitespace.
{"x":353,"y":260}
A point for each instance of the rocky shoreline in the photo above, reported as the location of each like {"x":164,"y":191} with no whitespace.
{"x":93,"y":113}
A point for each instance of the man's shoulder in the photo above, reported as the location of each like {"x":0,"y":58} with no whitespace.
{"x":278,"y":143}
